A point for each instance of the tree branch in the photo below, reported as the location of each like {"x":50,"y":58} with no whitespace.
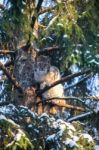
{"x":79,"y":82}
{"x":49,"y":49}
{"x":7,"y":52}
{"x":81,"y":117}
{"x":69,"y":106}
{"x":13,"y":80}
{"x":69,"y":77}
{"x":65,"y":98}
{"x":48,"y":9}
{"x":36,"y":12}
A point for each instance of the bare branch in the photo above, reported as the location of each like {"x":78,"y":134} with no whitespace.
{"x":65,"y":98}
{"x":69,"y":77}
{"x":13,"y":80}
{"x":68,"y":106}
{"x":55,"y":103}
{"x":7,"y":52}
{"x":50,"y":49}
{"x":80,"y":117}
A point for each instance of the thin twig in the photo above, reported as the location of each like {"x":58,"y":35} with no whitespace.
{"x":80,"y":117}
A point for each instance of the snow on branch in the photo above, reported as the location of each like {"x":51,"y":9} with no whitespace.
{"x":80,"y":117}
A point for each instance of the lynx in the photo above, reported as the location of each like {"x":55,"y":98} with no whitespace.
{"x":45,"y":74}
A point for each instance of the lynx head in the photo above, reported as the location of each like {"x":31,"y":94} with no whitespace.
{"x":42,"y":66}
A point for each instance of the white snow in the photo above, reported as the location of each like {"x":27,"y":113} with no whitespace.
{"x":75,"y":138}
{"x":44,"y":115}
{"x":97,"y":107}
{"x":96,"y":147}
{"x":19,"y":135}
{"x":51,"y":137}
{"x":2,"y":117}
{"x":87,"y":136}
{"x":71,"y":143}
{"x":60,"y":24}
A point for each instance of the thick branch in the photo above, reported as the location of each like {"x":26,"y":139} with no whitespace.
{"x":69,"y":77}
{"x":13,"y":81}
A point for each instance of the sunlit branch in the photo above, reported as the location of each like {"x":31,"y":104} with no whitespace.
{"x":65,"y":98}
{"x":69,"y":77}
{"x":7,"y":52}
{"x":13,"y":80}
{"x":68,"y":106}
